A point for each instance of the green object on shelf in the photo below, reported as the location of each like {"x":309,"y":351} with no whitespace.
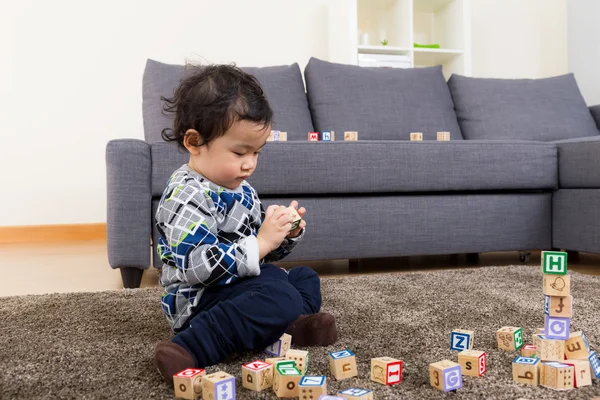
{"x":427,"y":46}
{"x":384,"y":42}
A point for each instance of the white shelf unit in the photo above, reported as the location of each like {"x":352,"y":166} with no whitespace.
{"x":406,"y":22}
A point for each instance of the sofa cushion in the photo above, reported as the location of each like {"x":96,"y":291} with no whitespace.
{"x":521,"y":109}
{"x":380,"y":103}
{"x":283,"y":87}
{"x":305,"y":168}
{"x":579,"y":162}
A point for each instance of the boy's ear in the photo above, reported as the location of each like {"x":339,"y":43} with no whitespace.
{"x":192,"y":141}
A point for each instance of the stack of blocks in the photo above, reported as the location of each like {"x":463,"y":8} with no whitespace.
{"x":558,"y":359}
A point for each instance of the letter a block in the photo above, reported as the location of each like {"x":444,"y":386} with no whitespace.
{"x":582,"y":372}
{"x":558,"y":306}
{"x":356,"y":394}
{"x":312,"y":387}
{"x":257,"y":375}
{"x":557,"y":285}
{"x":526,"y":370}
{"x":280,"y":347}
{"x":461,"y":339}
{"x":558,"y":376}
{"x":577,"y":347}
{"x":286,"y":378}
{"x":557,"y":328}
{"x":300,"y":357}
{"x":386,"y":370}
{"x":510,"y":338}
{"x":554,"y":262}
{"x":551,"y":350}
{"x":445,"y":375}
{"x":188,"y":383}
{"x":342,"y":364}
{"x":472,"y":362}
{"x":219,"y":385}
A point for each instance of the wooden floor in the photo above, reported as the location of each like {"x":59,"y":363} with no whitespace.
{"x":36,"y":268}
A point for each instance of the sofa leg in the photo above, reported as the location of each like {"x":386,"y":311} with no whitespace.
{"x":354,"y":265}
{"x":132,"y":277}
{"x":472,"y":258}
{"x":572,"y":256}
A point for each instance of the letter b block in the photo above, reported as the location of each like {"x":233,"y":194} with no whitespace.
{"x":461,"y":339}
{"x":445,"y":375}
{"x":526,"y":370}
{"x":342,"y":364}
{"x":554,"y":262}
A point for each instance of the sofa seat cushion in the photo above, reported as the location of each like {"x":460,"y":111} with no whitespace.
{"x":521,"y":109}
{"x":282,"y":85}
{"x":302,"y":167}
{"x":579,"y":163}
{"x":380,"y":103}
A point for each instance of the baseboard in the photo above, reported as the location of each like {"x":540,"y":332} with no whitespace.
{"x":51,"y":233}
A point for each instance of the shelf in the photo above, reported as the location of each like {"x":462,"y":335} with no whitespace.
{"x":441,"y":51}
{"x":370,"y":49}
{"x":435,"y":56}
{"x":430,"y":6}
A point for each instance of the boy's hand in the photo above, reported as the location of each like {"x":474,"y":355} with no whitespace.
{"x":301,"y":211}
{"x":274,"y":229}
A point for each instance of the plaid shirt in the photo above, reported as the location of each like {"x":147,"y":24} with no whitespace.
{"x":207,"y":237}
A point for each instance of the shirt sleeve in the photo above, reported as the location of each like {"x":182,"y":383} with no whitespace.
{"x":285,"y":248}
{"x":187,"y":222}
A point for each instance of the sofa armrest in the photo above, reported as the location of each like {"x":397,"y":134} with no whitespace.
{"x":578,"y":163}
{"x":129,"y":203}
{"x":595,"y":110}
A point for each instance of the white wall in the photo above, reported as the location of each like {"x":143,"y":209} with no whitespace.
{"x":519,"y":38}
{"x":583,"y":38}
{"x":71,"y":72}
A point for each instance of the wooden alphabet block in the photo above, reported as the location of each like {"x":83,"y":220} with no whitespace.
{"x":551,"y":350}
{"x":416,"y":136}
{"x":342,"y":364}
{"x":528,"y":350}
{"x":280,"y":347}
{"x":444,"y":136}
{"x":296,"y":219}
{"x":274,"y":360}
{"x":594,"y":364}
{"x":445,"y":375}
{"x":386,"y":370}
{"x":329,"y":397}
{"x":557,"y":285}
{"x":539,"y":331}
{"x":286,"y":378}
{"x":473,"y":362}
{"x":328,"y":136}
{"x":313,"y":136}
{"x":356,"y":394}
{"x":510,"y":338}
{"x":558,"y":306}
{"x":526,"y":370}
{"x":577,"y":347}
{"x":277,"y":136}
{"x":554,"y":262}
{"x":536,"y":340}
{"x":257,"y":375}
{"x":300,"y":357}
{"x":350,"y":135}
{"x":557,"y":376}
{"x":582,"y":372}
{"x":461,"y":339}
{"x":312,"y":387}
{"x":188,"y":383}
{"x":557,"y":328}
{"x":219,"y":385}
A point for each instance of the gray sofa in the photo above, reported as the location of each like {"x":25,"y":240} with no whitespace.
{"x":521,"y":171}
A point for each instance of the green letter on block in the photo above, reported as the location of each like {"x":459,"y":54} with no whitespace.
{"x":554,"y":262}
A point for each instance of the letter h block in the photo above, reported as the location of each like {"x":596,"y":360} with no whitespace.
{"x":342,"y":364}
{"x":554,"y":262}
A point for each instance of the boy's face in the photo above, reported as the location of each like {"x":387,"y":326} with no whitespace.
{"x":231,"y":158}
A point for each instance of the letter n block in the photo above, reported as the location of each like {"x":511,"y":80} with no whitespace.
{"x":461,"y":339}
{"x":280,"y":347}
{"x":219,"y":385}
{"x":473,"y":362}
{"x":558,"y":376}
{"x":312,"y":387}
{"x":188,"y":383}
{"x":342,"y":364}
{"x":510,"y":338}
{"x":445,"y":375}
{"x":386,"y":370}
{"x":526,"y":370}
{"x":577,"y":347}
{"x":257,"y":375}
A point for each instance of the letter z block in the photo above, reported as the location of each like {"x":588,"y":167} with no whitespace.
{"x":445,"y":375}
{"x":342,"y":364}
{"x":312,"y":386}
{"x":526,"y":370}
{"x":461,"y":339}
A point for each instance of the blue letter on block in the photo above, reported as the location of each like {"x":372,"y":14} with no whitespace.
{"x":326,"y":136}
{"x":312,"y":381}
{"x":557,"y":328}
{"x":595,"y":363}
{"x":460,"y":341}
{"x":526,"y":360}
{"x":354,"y":392}
{"x":341,"y":354}
{"x":452,"y":378}
{"x":274,"y":349}
{"x":546,"y":304}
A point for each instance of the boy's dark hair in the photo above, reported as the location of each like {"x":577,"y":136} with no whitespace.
{"x":210,"y":99}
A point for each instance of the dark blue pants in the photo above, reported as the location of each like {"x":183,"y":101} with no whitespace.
{"x":250,"y":314}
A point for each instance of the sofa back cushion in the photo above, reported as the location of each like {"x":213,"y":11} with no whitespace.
{"x":380,"y":103}
{"x":521,"y":109}
{"x":283,"y":87}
